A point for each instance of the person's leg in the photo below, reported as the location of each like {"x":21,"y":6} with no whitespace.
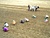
{"x":28,"y":7}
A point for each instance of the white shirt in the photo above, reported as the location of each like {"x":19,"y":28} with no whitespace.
{"x":33,"y":8}
{"x":6,"y":24}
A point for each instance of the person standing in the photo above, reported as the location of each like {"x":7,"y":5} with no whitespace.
{"x":28,"y":7}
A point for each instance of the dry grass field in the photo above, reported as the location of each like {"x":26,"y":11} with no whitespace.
{"x":35,"y":28}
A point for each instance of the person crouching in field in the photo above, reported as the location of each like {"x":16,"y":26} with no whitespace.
{"x":14,"y":22}
{"x":5,"y":27}
{"x":5,"y":24}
